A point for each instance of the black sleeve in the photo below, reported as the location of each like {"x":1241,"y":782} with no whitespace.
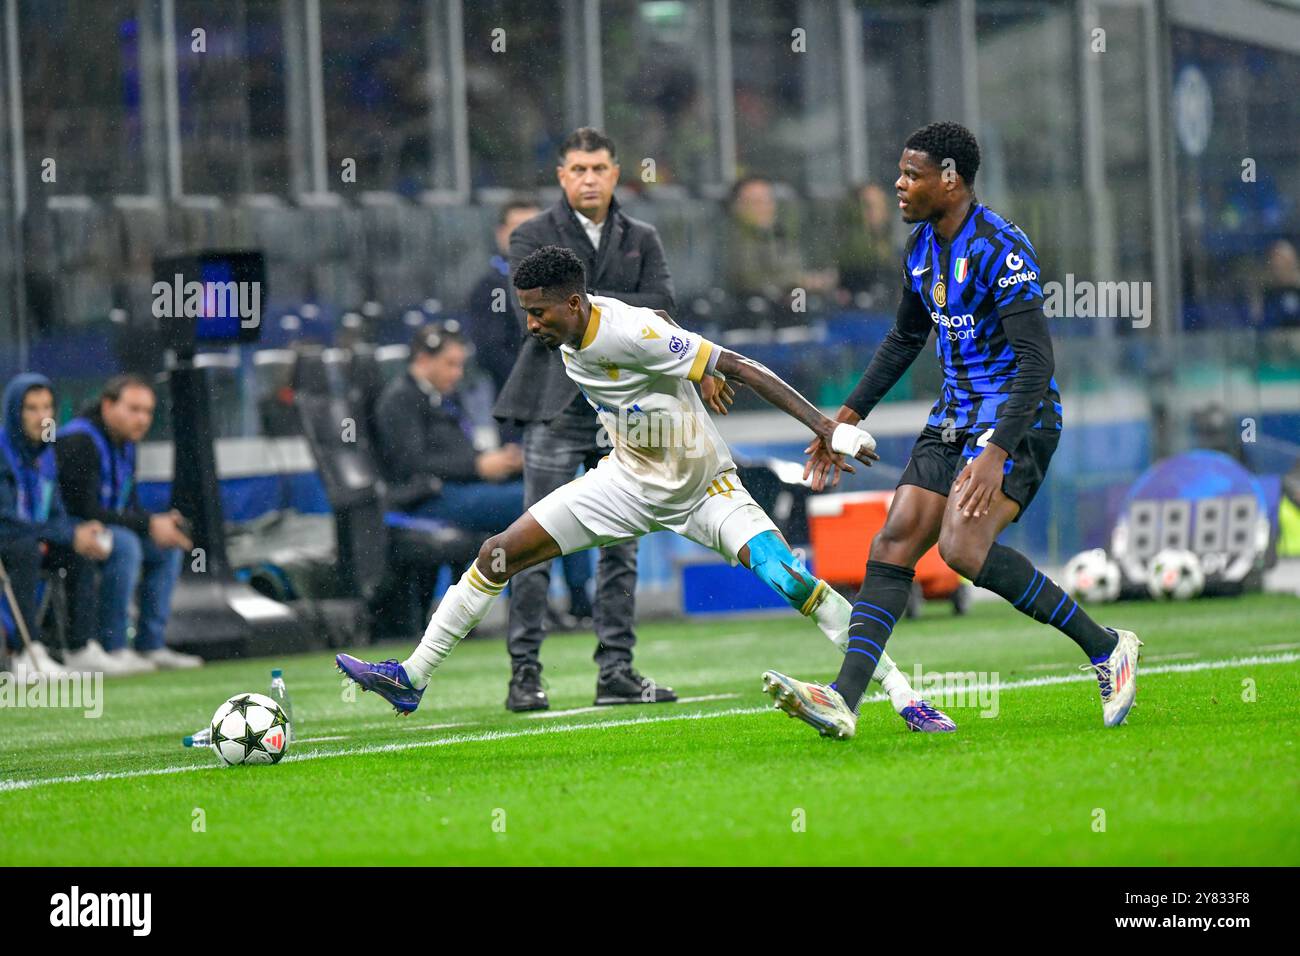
{"x":78,"y":465}
{"x":896,"y":353}
{"x":1028,"y":337}
{"x":451,"y":456}
{"x":409,"y":453}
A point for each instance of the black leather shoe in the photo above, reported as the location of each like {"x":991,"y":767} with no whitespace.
{"x":526,"y":691}
{"x":626,"y":686}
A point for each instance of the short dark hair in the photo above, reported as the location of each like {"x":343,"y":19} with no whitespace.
{"x":433,"y":338}
{"x":512,"y":206}
{"x":739,"y":185}
{"x":588,"y":139}
{"x":949,"y":141}
{"x":552,"y":268}
{"x":115,"y":386}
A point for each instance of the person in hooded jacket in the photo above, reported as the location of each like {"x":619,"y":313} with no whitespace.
{"x":35,"y":528}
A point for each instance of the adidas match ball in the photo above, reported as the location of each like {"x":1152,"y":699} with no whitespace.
{"x":1175,"y":574}
{"x":250,"y":728}
{"x":1092,"y":577}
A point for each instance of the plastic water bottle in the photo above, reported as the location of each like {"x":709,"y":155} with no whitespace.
{"x":200,"y":738}
{"x":280,"y":694}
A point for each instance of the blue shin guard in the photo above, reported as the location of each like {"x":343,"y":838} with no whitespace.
{"x":773,"y":561}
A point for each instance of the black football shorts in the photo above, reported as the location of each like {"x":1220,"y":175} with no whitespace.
{"x":935,"y":463}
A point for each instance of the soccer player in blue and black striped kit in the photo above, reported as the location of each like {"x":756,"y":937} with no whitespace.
{"x":973,"y":277}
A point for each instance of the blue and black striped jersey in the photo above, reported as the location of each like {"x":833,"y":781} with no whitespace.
{"x":988,"y":272}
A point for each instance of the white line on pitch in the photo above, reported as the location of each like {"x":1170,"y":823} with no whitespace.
{"x":546,"y":714}
{"x":6,"y":785}
{"x":463,"y":723}
{"x":316,"y":740}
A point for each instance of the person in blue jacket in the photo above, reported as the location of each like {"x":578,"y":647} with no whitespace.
{"x":97,"y":477}
{"x":35,"y":528}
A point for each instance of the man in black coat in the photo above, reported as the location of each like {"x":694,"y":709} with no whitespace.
{"x":623,"y":258}
{"x":422,"y":434}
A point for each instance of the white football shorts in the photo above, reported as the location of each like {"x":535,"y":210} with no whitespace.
{"x":594,"y":510}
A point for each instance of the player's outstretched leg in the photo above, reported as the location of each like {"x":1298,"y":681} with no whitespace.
{"x":967,"y":546}
{"x":917,"y":712}
{"x":768,"y":556}
{"x":1113,"y":654}
{"x":461,"y":609}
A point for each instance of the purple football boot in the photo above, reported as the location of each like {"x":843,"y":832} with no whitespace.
{"x":920,"y":715}
{"x":387,"y":679}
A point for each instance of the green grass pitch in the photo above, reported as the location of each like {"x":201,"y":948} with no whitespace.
{"x":1207,"y":771}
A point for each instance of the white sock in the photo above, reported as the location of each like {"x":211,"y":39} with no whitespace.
{"x":461,"y":609}
{"x":895,"y":684}
{"x":833,"y":616}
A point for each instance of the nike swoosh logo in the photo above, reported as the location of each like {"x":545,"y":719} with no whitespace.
{"x":920,"y":272}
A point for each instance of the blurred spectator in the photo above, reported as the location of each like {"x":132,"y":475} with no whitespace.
{"x":493,"y":326}
{"x":35,"y":528}
{"x":761,"y":261}
{"x":1282,"y":285}
{"x":422,"y":433}
{"x":867,"y":259}
{"x":96,"y":455}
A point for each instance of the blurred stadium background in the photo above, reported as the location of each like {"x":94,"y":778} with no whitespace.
{"x":1123,"y":164}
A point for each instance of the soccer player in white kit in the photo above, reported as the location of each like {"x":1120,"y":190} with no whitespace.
{"x":668,"y":469}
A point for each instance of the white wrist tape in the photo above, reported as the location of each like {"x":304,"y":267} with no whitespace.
{"x":849,"y":439}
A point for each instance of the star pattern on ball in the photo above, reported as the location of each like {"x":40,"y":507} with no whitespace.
{"x":252,"y":741}
{"x":239,"y":705}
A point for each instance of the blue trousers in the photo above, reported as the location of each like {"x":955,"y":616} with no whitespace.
{"x":136,"y":562}
{"x":491,"y":507}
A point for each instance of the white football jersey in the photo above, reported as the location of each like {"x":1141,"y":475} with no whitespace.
{"x":638,"y":372}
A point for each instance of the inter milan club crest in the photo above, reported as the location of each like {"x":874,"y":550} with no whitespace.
{"x":939,"y":294}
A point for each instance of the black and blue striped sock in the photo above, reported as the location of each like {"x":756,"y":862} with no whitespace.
{"x":880,"y":603}
{"x":1008,"y":573}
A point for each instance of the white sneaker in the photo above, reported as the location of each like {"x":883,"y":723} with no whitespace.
{"x":21,"y":666}
{"x":1117,"y":677}
{"x":43,"y":662}
{"x":818,"y":705}
{"x":131,"y":662}
{"x":93,"y":658}
{"x":166,"y":659}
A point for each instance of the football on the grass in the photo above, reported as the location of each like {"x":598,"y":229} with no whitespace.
{"x":1175,"y":574}
{"x":1092,"y":577}
{"x":250,"y":728}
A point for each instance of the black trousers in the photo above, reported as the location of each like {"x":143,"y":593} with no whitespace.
{"x":552,"y":453}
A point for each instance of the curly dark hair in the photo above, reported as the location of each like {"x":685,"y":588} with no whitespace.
{"x":949,"y":141}
{"x":555,"y":269}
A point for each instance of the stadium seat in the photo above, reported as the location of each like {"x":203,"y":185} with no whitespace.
{"x":385,"y":557}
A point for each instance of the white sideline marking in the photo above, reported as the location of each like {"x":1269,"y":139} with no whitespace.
{"x":1252,"y":661}
{"x":463,"y":723}
{"x":7,"y":785}
{"x":316,"y":740}
{"x":546,"y":714}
